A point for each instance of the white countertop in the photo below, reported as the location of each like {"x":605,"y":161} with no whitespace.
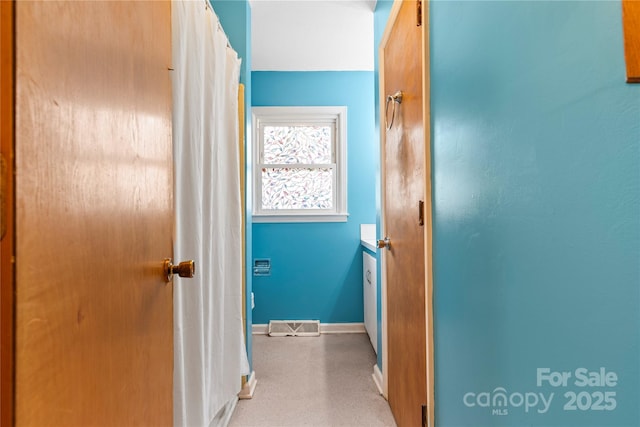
{"x":368,"y":236}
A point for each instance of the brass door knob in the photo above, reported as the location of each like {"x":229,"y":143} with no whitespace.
{"x":184,"y":269}
{"x":384,"y":243}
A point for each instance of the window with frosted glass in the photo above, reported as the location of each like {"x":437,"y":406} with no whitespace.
{"x":299,"y":166}
{"x":297,"y":145}
{"x":298,"y":185}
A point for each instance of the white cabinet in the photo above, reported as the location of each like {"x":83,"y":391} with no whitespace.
{"x":369,"y":291}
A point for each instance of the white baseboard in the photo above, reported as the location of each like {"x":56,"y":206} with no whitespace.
{"x":377,"y":378}
{"x":249,"y":387}
{"x":325,"y":328}
{"x":259,"y":329}
{"x":342,"y":328}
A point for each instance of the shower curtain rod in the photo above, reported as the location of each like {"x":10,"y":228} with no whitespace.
{"x":208,"y":6}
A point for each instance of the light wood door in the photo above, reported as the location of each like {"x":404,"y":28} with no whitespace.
{"x":404,"y":176}
{"x":94,"y":214}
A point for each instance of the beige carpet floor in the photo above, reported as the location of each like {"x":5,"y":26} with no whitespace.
{"x":320,"y":381}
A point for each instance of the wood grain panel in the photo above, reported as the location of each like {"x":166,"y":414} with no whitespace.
{"x":631,"y":27}
{"x":404,"y":181}
{"x":7,"y":241}
{"x":94,"y":219}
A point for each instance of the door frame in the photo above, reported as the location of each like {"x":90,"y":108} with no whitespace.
{"x":7,"y":242}
{"x":428,"y":226}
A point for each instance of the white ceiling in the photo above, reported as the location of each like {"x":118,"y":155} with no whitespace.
{"x":312,"y":35}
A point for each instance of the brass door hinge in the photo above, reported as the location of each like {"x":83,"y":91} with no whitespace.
{"x":418,"y":12}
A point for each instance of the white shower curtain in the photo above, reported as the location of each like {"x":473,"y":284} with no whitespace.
{"x":209,"y":349}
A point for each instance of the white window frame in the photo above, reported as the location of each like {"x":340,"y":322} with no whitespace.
{"x":300,"y":116}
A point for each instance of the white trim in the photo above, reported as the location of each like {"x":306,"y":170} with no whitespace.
{"x":301,"y":218}
{"x":249,"y":387}
{"x":336,"y":116}
{"x":342,"y":328}
{"x":369,"y":245}
{"x":377,"y":378}
{"x":325,"y":328}
{"x":259,"y":329}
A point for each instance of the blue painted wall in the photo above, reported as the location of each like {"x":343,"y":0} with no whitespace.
{"x":536,"y":168}
{"x":380,"y":18}
{"x":235,"y":18}
{"x":317,"y":267}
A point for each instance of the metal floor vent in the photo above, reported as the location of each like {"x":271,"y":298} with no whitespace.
{"x":294,"y":328}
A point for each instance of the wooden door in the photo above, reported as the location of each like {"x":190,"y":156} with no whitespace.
{"x":406,"y":207}
{"x":94,"y":214}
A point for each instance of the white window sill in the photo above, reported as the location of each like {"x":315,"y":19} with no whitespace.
{"x":261,"y":218}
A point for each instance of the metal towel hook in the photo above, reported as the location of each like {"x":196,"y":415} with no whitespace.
{"x":397,"y":99}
